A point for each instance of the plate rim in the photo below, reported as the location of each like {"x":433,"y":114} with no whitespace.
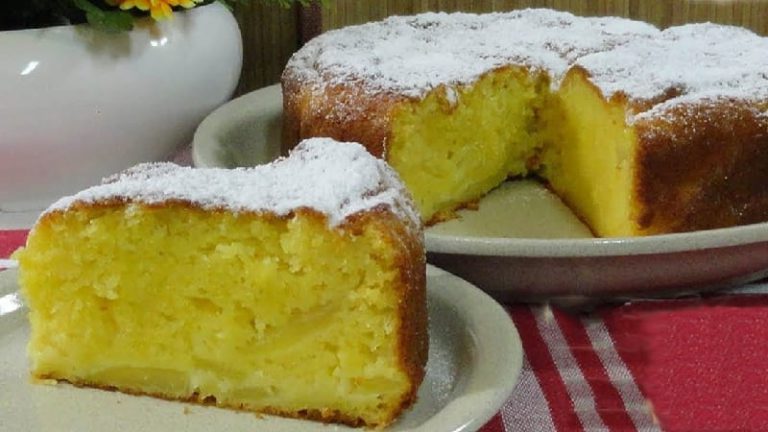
{"x":267,"y":100}
{"x":718,"y":238}
{"x":242,"y":107}
{"x":492,"y":332}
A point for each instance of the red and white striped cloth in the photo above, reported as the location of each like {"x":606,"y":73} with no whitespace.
{"x":697,"y":364}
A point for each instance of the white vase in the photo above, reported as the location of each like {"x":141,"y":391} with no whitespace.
{"x":77,"y":104}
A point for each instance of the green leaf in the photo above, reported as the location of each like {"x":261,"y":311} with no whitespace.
{"x":85,"y":5}
{"x":111,"y":21}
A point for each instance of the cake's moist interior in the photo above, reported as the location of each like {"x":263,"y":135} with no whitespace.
{"x":458,"y":143}
{"x":246,"y":311}
{"x":588,"y":156}
{"x":480,"y":132}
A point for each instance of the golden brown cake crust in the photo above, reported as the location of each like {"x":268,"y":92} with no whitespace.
{"x":342,"y":112}
{"x":413,"y":324}
{"x":702,"y":165}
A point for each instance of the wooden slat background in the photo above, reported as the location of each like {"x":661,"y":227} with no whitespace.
{"x":749,"y":13}
{"x":270,"y":36}
{"x":271,"y":33}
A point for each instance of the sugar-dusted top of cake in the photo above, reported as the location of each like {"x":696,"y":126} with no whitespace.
{"x":337,"y":179}
{"x":413,"y":55}
{"x":684,"y":64}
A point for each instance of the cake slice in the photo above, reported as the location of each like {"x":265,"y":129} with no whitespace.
{"x":295,"y":288}
{"x":665,"y":135}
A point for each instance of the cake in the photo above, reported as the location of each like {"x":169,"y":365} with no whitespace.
{"x":295,"y":288}
{"x":639,"y":130}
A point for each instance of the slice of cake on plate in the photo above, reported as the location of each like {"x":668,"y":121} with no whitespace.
{"x":295,"y":288}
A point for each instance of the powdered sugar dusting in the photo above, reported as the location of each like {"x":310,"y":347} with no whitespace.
{"x":690,"y":63}
{"x":411,"y":56}
{"x":452,"y":96}
{"x":337,"y":179}
{"x":414,"y":55}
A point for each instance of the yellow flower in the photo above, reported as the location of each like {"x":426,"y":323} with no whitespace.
{"x":159,"y":9}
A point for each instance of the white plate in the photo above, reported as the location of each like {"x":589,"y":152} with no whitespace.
{"x":475,"y":357}
{"x":522,"y":242}
{"x":504,"y":248}
{"x":245,"y":131}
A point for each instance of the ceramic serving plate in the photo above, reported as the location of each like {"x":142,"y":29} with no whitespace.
{"x":522,"y":242}
{"x":472,"y":340}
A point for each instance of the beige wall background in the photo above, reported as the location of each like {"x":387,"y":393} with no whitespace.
{"x":271,"y":33}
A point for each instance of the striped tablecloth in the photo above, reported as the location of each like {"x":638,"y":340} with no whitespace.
{"x":695,"y":364}
{"x":698,"y":364}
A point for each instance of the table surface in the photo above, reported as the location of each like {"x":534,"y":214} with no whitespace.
{"x":687,"y":364}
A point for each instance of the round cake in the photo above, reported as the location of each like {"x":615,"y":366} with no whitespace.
{"x":639,"y":130}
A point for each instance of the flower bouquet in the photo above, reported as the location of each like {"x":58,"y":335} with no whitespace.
{"x":108,"y":15}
